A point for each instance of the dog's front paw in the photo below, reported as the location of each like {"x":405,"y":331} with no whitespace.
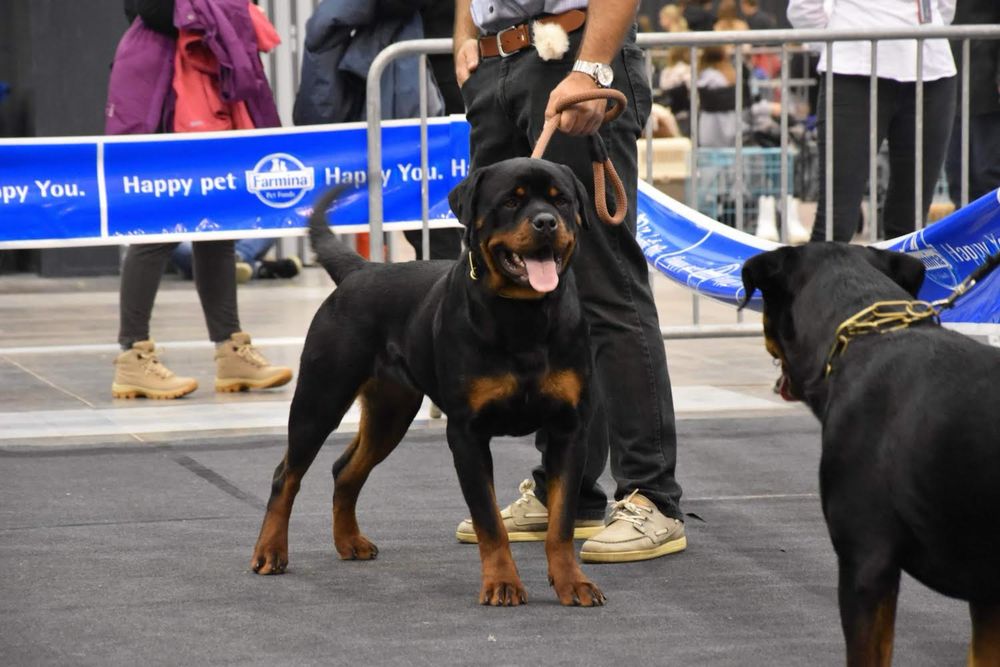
{"x":577,"y":591}
{"x":503,"y":592}
{"x":355,"y":547}
{"x":269,"y":557}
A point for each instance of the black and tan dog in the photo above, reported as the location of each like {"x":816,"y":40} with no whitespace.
{"x":910,"y":466}
{"x":496,"y":339}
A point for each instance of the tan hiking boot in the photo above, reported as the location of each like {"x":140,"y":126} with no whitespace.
{"x":139,"y":373}
{"x":240,"y":366}
{"x":637,"y":531}
{"x":526,"y":520}
{"x":244,"y":272}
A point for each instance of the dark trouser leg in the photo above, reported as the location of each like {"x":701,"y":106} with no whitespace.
{"x":850,"y":155}
{"x":446,"y":243}
{"x":215,"y":280}
{"x":939,"y":111}
{"x":141,"y":273}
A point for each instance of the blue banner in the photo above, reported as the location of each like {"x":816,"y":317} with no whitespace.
{"x":708,"y":257}
{"x":111,"y":190}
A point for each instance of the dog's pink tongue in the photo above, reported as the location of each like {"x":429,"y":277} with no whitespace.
{"x":542,"y":274}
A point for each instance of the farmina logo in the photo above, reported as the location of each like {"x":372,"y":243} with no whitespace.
{"x":280,"y":180}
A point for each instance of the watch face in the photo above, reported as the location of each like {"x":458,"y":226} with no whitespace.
{"x":605,"y":75}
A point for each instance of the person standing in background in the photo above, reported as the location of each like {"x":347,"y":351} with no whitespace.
{"x":897,"y":113}
{"x":149,"y":92}
{"x":984,"y":106}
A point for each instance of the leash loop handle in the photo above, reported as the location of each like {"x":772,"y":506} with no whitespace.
{"x":604,"y":170}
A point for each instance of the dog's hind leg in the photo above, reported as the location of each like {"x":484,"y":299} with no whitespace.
{"x":387,"y":409}
{"x":867,"y":593}
{"x":316,"y":411}
{"x":985,"y":648}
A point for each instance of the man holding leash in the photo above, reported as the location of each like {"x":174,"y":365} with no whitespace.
{"x":516,"y":62}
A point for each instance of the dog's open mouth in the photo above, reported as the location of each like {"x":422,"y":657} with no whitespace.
{"x":783,"y":387}
{"x":540,"y":270}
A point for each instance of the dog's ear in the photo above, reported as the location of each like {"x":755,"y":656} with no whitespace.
{"x":905,"y":271}
{"x":768,"y":272}
{"x":463,"y":200}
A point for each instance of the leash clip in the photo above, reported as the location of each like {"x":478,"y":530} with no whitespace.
{"x":472,"y":268}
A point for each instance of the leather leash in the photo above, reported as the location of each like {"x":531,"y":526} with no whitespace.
{"x":604,"y":171}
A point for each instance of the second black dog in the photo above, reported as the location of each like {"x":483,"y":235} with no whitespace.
{"x":910,"y":469}
{"x":496,"y":339}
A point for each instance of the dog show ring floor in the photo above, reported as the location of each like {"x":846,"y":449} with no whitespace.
{"x":126,"y":526}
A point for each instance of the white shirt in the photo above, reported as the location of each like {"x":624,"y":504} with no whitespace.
{"x":897,"y":59}
{"x":491,"y":16}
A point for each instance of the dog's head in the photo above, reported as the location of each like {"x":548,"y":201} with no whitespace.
{"x":833,"y":281}
{"x":522,"y":218}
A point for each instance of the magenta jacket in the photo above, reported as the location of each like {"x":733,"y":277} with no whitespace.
{"x":140,"y":98}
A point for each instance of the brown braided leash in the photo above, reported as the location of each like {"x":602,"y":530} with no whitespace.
{"x":604,"y":171}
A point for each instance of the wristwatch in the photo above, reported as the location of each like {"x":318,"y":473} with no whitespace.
{"x":602,"y":74}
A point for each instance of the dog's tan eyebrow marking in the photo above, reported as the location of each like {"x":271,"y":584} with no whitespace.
{"x":564,"y":385}
{"x":553,"y":192}
{"x":519,"y":191}
{"x":483,"y":390}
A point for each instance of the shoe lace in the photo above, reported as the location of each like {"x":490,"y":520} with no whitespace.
{"x":527,"y":489}
{"x":251,"y":355}
{"x":634,"y":513}
{"x":152,"y":366}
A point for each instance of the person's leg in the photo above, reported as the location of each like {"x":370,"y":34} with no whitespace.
{"x":446,"y":243}
{"x":939,"y":112}
{"x":984,"y":154}
{"x":181,"y":258}
{"x":215,"y":281}
{"x":850,"y":155}
{"x":138,"y":371}
{"x":142,"y":271}
{"x":238,"y":364}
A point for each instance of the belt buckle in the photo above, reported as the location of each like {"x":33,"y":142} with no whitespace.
{"x":504,"y":54}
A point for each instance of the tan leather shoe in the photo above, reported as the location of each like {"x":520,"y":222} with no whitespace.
{"x":240,"y":366}
{"x":637,"y":531}
{"x":139,"y":373}
{"x":526,"y":520}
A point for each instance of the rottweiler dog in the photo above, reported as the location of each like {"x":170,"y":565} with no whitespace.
{"x":910,"y":464}
{"x":497,"y":339}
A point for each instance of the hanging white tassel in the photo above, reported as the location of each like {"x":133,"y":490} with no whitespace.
{"x":550,"y":40}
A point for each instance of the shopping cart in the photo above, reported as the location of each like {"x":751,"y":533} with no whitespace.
{"x":714,"y":183}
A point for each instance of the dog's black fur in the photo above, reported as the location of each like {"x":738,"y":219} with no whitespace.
{"x":497,"y":355}
{"x":910,"y":468}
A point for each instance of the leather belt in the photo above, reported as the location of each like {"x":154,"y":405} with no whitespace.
{"x":511,"y":40}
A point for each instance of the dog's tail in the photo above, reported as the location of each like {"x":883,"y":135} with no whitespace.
{"x":336,"y":257}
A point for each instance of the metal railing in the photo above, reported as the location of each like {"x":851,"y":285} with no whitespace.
{"x":781,"y":39}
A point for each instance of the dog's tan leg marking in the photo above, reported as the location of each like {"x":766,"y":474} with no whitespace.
{"x":565,"y":576}
{"x":483,"y":390}
{"x":270,"y":554}
{"x":502,"y":586}
{"x":869,"y":644}
{"x":564,"y":385}
{"x":386,"y":412}
{"x":984,"y":651}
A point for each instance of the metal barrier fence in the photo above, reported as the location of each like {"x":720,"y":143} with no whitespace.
{"x":782,"y":40}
